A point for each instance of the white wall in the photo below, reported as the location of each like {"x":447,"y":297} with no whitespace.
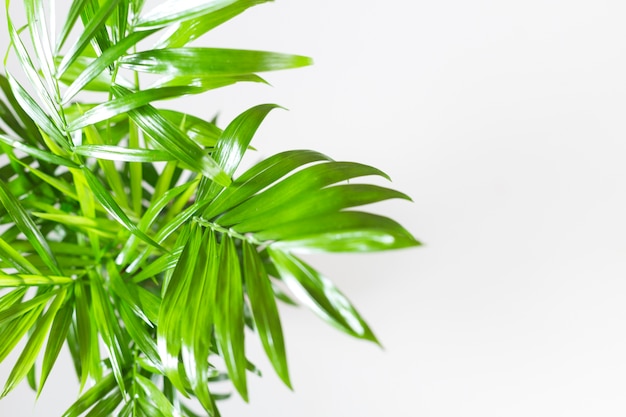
{"x":504,"y":120}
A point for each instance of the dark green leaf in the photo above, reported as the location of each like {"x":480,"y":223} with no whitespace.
{"x":58,"y":333}
{"x":229,"y":322}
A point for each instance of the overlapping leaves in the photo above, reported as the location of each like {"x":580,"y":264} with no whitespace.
{"x":126,"y":234}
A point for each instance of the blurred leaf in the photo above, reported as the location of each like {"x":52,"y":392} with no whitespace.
{"x":100,"y":390}
{"x":15,"y":280}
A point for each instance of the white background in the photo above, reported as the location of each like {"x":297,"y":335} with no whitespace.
{"x":504,"y":120}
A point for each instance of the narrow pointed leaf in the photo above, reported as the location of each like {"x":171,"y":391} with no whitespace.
{"x":100,"y":64}
{"x":27,"y":226}
{"x":172,"y":11}
{"x":96,"y":24}
{"x":173,"y":141}
{"x":320,"y":295}
{"x":17,"y":280}
{"x":191,"y":29}
{"x":289,"y":189}
{"x":109,"y":204}
{"x":346,"y":231}
{"x":316,"y":203}
{"x":210,"y":61}
{"x":229,"y":322}
{"x":129,"y":102}
{"x":260,"y":176}
{"x":27,"y":359}
{"x":118,"y":153}
{"x":265,"y":311}
{"x":38,"y":153}
{"x":102,"y":388}
{"x":56,"y":338}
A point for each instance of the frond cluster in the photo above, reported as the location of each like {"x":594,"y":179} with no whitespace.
{"x":126,"y":232}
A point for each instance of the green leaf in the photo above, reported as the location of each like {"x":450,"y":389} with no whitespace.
{"x":172,"y":11}
{"x":95,"y":25}
{"x":109,"y":204}
{"x":290,"y":189}
{"x":234,"y":141}
{"x":315,"y":204}
{"x":17,"y":280}
{"x":58,"y":333}
{"x":346,"y":231}
{"x":97,"y":67}
{"x":210,"y":61}
{"x":320,"y":295}
{"x":229,"y":322}
{"x":109,"y":329}
{"x":171,"y":314}
{"x":27,"y":226}
{"x":155,"y":396}
{"x":173,"y":141}
{"x":37,"y":153}
{"x":129,"y":102}
{"x":19,"y":262}
{"x":191,"y":29}
{"x":118,"y":153}
{"x":27,"y":359}
{"x":200,"y":131}
{"x":101,"y":389}
{"x":199,"y":318}
{"x":86,"y":332}
{"x":74,"y":12}
{"x":265,"y":311}
{"x":102,"y":82}
{"x":259,"y":177}
{"x":39,"y":116}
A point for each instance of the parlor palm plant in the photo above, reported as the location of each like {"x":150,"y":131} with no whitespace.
{"x":127,"y":231}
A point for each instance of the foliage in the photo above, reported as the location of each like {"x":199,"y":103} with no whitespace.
{"x":126,"y":230}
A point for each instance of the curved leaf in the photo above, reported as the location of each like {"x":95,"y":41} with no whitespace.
{"x":210,"y":61}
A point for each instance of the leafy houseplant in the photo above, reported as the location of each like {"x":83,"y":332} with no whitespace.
{"x":127,"y":230}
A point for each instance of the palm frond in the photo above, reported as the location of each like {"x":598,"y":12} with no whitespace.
{"x":125,"y":230}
